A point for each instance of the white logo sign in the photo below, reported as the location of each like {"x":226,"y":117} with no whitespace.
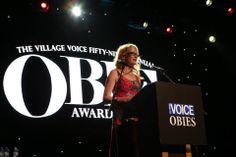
{"x":12,"y":83}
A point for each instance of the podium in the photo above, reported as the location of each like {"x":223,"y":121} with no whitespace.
{"x":170,"y":114}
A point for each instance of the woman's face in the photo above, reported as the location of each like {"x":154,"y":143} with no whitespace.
{"x":132,"y":56}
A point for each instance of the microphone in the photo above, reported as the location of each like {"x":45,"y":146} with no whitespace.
{"x":158,"y":68}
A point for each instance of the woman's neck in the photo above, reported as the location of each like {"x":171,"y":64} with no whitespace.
{"x":127,"y":70}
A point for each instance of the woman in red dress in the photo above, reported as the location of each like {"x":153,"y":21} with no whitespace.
{"x":122,"y":84}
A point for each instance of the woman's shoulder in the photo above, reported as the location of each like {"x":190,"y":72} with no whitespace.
{"x":114,"y":72}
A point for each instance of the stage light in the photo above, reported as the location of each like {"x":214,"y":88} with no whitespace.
{"x":145,"y":24}
{"x":44,"y":6}
{"x":169,"y":29}
{"x":76,"y":11}
{"x":230,"y":10}
{"x":212,"y":39}
{"x":208,"y":2}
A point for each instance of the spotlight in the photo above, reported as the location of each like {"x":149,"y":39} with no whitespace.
{"x":145,"y":24}
{"x":44,"y":6}
{"x":212,"y":39}
{"x":76,"y":11}
{"x":209,"y":3}
{"x":169,"y":29}
{"x":230,"y":10}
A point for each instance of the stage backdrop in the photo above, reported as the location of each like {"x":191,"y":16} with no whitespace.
{"x":53,"y":72}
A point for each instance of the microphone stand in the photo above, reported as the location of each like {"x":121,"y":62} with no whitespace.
{"x":163,"y":72}
{"x":113,"y":107}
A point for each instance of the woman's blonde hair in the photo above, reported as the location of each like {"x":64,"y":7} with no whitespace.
{"x":121,"y":54}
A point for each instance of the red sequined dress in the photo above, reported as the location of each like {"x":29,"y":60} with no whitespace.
{"x":125,"y":87}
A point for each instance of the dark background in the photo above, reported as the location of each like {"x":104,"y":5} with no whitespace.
{"x":185,"y":53}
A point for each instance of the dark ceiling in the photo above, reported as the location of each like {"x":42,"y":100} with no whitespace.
{"x":156,"y":12}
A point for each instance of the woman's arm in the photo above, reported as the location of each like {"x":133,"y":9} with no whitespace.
{"x":109,"y":86}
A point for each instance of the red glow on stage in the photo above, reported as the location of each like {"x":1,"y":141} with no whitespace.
{"x":44,"y":5}
{"x":230,"y":10}
{"x":169,"y":30}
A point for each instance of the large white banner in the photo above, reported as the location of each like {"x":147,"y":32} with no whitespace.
{"x":64,"y":65}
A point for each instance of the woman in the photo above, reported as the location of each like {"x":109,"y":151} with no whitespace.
{"x":122,"y":84}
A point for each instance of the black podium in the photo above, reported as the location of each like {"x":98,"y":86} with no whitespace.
{"x":170,"y":114}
